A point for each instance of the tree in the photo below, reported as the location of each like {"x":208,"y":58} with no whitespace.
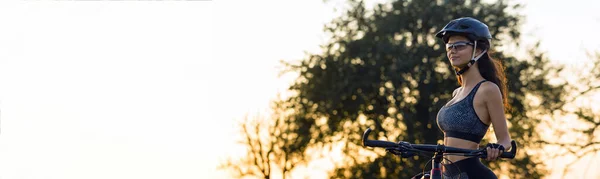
{"x":383,"y":68}
{"x":272,"y":145}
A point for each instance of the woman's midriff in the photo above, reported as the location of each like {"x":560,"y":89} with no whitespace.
{"x":458,"y":143}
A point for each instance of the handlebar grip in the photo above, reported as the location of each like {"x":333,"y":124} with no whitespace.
{"x":510,"y":154}
{"x":376,"y":143}
{"x":513,"y":151}
{"x":507,"y":155}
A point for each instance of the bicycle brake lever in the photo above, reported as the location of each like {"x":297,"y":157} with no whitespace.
{"x":393,"y":150}
{"x":400,"y":152}
{"x":408,"y":154}
{"x":482,"y":153}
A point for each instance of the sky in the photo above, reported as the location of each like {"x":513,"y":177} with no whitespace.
{"x":154,"y":89}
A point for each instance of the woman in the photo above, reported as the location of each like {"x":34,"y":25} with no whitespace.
{"x":479,"y":102}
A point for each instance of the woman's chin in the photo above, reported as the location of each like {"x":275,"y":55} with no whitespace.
{"x":456,"y":63}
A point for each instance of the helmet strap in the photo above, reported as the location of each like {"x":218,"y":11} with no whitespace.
{"x":472,"y":61}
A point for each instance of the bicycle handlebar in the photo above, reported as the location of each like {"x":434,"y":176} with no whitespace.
{"x":433,"y":148}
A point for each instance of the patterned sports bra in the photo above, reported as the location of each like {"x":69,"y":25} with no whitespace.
{"x":459,"y":120}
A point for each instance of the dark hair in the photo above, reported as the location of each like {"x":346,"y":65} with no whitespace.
{"x":492,"y":70}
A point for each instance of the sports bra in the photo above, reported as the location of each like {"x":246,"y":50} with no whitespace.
{"x":459,"y":120}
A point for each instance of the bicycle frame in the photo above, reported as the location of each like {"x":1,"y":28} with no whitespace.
{"x":438,"y":150}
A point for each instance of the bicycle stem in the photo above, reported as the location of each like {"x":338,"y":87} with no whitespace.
{"x":436,"y":166}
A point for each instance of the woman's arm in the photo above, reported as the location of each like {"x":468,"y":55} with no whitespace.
{"x":495,"y":107}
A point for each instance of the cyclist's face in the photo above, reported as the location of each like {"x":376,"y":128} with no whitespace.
{"x":459,"y":50}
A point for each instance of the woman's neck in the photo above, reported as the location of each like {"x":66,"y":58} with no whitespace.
{"x":471,"y":77}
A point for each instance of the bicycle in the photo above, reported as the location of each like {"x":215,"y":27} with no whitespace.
{"x":406,"y":150}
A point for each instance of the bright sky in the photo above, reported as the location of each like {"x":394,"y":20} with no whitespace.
{"x":153,"y":89}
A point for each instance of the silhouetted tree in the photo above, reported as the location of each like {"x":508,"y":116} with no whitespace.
{"x":271,"y":144}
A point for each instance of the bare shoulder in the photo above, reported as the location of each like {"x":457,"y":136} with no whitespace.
{"x":489,"y":87}
{"x":491,"y":90}
{"x":456,"y":91}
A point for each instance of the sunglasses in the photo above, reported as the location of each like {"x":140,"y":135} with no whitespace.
{"x":458,"y":46}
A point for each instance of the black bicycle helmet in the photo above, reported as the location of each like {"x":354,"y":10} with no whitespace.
{"x":471,"y":28}
{"x":474,"y":30}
